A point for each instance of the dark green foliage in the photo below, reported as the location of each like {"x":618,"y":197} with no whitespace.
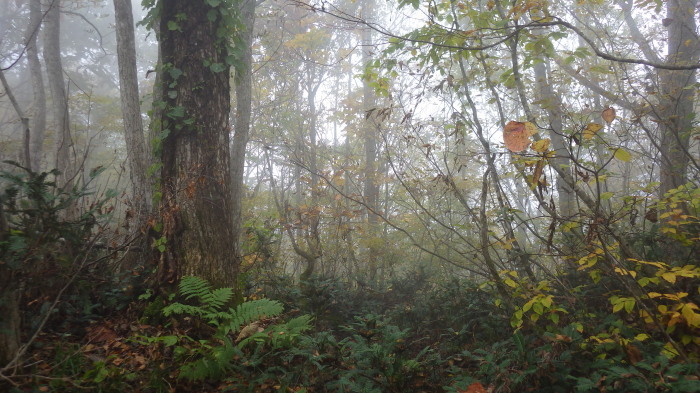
{"x":50,"y":239}
{"x":423,"y":335}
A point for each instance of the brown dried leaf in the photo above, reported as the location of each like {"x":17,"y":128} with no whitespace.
{"x":515,"y":136}
{"x":609,"y":114}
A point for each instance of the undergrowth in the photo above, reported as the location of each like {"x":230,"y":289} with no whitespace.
{"x":413,"y":336}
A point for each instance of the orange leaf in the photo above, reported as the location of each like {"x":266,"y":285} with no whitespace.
{"x":609,"y":115}
{"x":537,"y":173}
{"x":476,"y":387}
{"x":515,"y":136}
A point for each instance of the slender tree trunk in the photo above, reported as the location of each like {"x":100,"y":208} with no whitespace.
{"x":677,"y":100}
{"x":371,"y":189}
{"x":10,"y":322}
{"x":131,"y":111}
{"x":54,"y":71}
{"x":244,"y":96}
{"x":197,"y":206}
{"x":38,"y":90}
{"x":24,"y":155}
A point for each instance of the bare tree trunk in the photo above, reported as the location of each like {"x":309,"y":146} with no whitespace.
{"x":244,"y":87}
{"x":38,"y":90}
{"x":196,"y":207}
{"x":131,"y":111}
{"x":371,"y":189}
{"x":24,"y":155}
{"x":677,"y":100}
{"x":54,"y":71}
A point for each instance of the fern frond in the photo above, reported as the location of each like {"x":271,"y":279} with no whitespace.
{"x":179,"y":308}
{"x":191,"y":286}
{"x":212,"y":365}
{"x":254,"y":310}
{"x":217,"y":298}
{"x":285,"y":334}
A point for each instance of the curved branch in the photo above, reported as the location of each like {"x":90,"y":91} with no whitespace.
{"x":549,"y":22}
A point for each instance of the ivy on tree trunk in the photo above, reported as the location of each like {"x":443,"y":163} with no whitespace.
{"x":196,"y":199}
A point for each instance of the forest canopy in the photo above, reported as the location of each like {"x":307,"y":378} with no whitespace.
{"x":349,"y":196}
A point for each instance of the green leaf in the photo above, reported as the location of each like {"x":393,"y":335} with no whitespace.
{"x":623,"y":155}
{"x":217,"y":67}
{"x":214,"y":3}
{"x":178,"y":111}
{"x":554,"y":317}
{"x":538,"y":308}
{"x":175,"y":73}
{"x":172,"y":25}
{"x":169,"y":340}
{"x":212,"y":15}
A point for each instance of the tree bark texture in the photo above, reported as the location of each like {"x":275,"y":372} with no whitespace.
{"x":196,"y":205}
{"x":131,"y":110}
{"x":678,"y":96}
{"x":54,"y":71}
{"x":36,"y":144}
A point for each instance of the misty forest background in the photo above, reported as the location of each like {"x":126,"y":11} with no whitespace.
{"x":349,"y":196}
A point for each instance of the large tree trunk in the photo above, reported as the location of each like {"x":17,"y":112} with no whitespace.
{"x":678,"y":96}
{"x":38,"y":90}
{"x":244,"y":96}
{"x":196,"y":206}
{"x":131,"y":110}
{"x":54,"y":71}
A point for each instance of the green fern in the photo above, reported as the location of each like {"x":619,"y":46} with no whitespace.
{"x":251,"y":311}
{"x":211,"y":301}
{"x":212,"y":359}
{"x":213,"y":363}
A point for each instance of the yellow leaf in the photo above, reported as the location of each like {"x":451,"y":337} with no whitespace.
{"x":530,"y":128}
{"x":547,"y":301}
{"x":691,"y":317}
{"x":617,"y":307}
{"x":641,"y":337}
{"x":670,"y":277}
{"x":669,"y":351}
{"x":541,"y":146}
{"x":591,"y":129}
{"x":622,"y":155}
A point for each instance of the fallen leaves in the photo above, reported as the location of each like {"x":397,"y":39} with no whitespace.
{"x":475,"y":387}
